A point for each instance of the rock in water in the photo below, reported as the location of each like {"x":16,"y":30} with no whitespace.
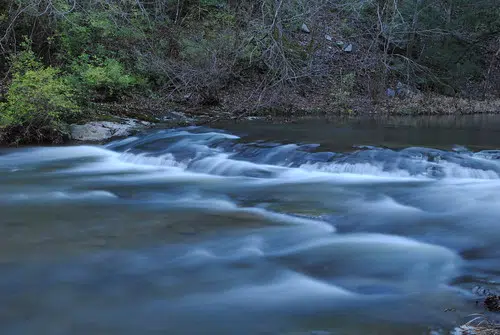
{"x":348,"y":48}
{"x":492,"y":303}
{"x":104,"y":130}
{"x":305,"y":29}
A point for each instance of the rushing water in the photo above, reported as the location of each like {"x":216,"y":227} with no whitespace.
{"x":309,"y":228}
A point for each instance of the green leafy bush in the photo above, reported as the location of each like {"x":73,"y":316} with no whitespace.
{"x":38,"y":102}
{"x":106,"y":77}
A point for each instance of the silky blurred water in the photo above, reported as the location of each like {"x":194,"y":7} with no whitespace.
{"x":315,"y":227}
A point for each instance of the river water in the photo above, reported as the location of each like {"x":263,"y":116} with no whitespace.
{"x":315,"y":227}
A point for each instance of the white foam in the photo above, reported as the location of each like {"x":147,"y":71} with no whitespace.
{"x":290,"y":290}
{"x":38,"y":155}
{"x":292,"y":287}
{"x":204,"y":136}
{"x":407,"y":263}
{"x":166,"y":160}
{"x":57,"y":196}
{"x":453,"y":170}
{"x":384,"y":210}
{"x":300,"y":175}
{"x":450,"y":170}
{"x":246,"y":249}
{"x":221,"y":164}
{"x":372,"y":241}
{"x":196,"y":256}
{"x":118,"y":143}
{"x":128,"y":162}
{"x":228,"y":207}
{"x":358,"y":169}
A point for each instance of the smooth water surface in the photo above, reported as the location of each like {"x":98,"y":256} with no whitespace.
{"x":314,"y":227}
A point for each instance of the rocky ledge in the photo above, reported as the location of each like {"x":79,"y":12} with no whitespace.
{"x":98,"y":131}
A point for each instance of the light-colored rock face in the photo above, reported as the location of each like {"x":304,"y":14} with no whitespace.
{"x":104,"y":130}
{"x":176,"y":116}
{"x":93,"y":131}
{"x":305,"y":28}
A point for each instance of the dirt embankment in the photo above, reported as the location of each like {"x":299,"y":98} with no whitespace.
{"x":343,"y":78}
{"x":312,"y":105}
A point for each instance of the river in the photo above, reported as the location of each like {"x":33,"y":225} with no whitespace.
{"x":311,"y":227}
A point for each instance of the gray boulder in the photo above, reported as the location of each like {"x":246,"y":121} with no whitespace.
{"x":104,"y":130}
{"x":348,"y":48}
{"x":403,"y":90}
{"x":305,"y":28}
{"x":390,"y":92}
{"x":174,"y":116}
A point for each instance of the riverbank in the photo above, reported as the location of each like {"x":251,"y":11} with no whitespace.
{"x":140,"y":112}
{"x":293,"y":105}
{"x":104,"y":121}
{"x":298,"y":105}
{"x":204,"y":61}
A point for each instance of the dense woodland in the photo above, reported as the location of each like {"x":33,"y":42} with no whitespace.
{"x":63,"y":61}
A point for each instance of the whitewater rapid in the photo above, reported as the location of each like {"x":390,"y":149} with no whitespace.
{"x":210,"y":226}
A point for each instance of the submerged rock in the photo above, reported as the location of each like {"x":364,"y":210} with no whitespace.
{"x":492,"y":303}
{"x":104,"y":130}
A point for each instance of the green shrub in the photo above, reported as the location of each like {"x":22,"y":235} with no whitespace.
{"x":38,"y":102}
{"x":104,"y":76}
